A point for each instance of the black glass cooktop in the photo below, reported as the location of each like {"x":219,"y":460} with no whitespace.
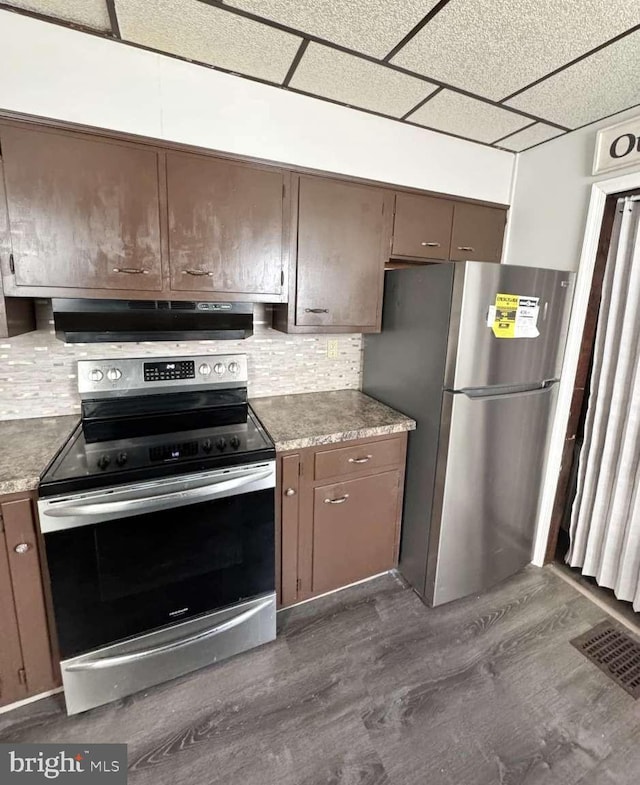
{"x":83,"y":464}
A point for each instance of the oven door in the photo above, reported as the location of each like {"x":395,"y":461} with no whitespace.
{"x":130,"y":559}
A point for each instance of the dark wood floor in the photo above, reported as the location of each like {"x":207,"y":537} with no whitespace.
{"x":369,"y":687}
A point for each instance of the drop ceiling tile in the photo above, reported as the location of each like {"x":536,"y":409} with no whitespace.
{"x":358,"y":82}
{"x":602,"y":84}
{"x":90,"y":13}
{"x":468,"y":117}
{"x":373,"y":27}
{"x":496,"y":48}
{"x":529,"y":137}
{"x":210,"y":35}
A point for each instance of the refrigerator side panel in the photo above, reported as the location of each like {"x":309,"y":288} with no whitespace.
{"x":487,"y":490}
{"x":404,"y":368}
{"x":477,"y":358}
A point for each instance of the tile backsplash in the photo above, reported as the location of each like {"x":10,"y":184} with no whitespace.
{"x":38,"y":372}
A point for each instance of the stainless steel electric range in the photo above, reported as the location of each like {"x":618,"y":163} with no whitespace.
{"x":158,"y":523}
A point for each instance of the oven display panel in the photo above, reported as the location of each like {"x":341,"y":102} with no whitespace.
{"x":168,"y":371}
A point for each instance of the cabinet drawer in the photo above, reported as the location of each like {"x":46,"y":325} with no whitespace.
{"x":358,"y":458}
{"x":354,"y":530}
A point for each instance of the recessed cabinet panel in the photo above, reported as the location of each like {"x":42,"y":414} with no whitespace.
{"x":341,"y":253}
{"x":354,"y":530}
{"x":225,"y":226}
{"x":478,"y":233}
{"x":83,"y":213}
{"x":422,"y":227}
{"x":12,"y":687}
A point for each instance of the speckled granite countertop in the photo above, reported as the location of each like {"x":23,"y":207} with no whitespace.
{"x":310,"y":419}
{"x":28,"y":446}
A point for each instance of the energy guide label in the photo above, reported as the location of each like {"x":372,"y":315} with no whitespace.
{"x":514,"y":316}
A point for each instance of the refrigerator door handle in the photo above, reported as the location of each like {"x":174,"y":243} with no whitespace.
{"x":490,"y":394}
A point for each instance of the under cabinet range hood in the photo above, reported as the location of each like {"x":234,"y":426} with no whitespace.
{"x":107,"y":321}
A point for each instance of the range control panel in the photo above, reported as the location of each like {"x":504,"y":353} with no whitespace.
{"x":148,"y":375}
{"x":169,"y":370}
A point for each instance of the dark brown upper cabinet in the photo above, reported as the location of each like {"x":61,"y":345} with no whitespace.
{"x":422,"y":227}
{"x":478,"y":233}
{"x":16,"y":314}
{"x":226,"y":226}
{"x":83,"y":213}
{"x":342,"y":242}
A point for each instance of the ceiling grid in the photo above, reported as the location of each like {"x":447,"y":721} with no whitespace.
{"x":510,"y":75}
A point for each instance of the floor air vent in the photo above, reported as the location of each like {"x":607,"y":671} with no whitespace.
{"x":615,"y":652}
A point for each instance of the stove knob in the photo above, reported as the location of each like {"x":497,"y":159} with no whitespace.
{"x":221,"y":443}
{"x":113,"y":374}
{"x":206,"y":445}
{"x":96,"y":375}
{"x":103,"y":462}
{"x":204,"y":369}
{"x":219,"y":368}
{"x":234,"y":367}
{"x":122,"y":458}
{"x":235,"y":442}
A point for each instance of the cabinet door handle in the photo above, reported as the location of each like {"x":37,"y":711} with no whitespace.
{"x":430,"y":245}
{"x":465,"y":248}
{"x":366,"y":459}
{"x":290,"y":492}
{"x":131,"y":270}
{"x":197,"y":272}
{"x":22,"y":547}
{"x":341,"y":500}
{"x":316,"y":310}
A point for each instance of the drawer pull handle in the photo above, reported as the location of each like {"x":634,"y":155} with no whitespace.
{"x":22,"y":547}
{"x":198,"y":273}
{"x":316,"y":310}
{"x":465,"y":248}
{"x":131,"y":270}
{"x":341,"y":500}
{"x":366,"y":459}
{"x":290,"y":492}
{"x":430,"y":245}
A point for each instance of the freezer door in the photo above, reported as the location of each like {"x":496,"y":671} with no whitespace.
{"x":488,"y":479}
{"x":475,"y":357}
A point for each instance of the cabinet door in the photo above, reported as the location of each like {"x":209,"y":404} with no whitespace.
{"x":24,"y":565}
{"x":225,"y":226}
{"x":83,"y":213}
{"x":342,"y":243}
{"x":422,"y":227}
{"x":354,"y":530}
{"x":289,"y":517}
{"x":478,"y":233}
{"x":12,"y":686}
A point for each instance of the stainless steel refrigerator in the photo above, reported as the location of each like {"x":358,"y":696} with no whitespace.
{"x":472,"y":351}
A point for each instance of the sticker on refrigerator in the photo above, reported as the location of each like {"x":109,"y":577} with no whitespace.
{"x":514,"y":316}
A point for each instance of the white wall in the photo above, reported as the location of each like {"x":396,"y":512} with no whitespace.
{"x":59,"y":73}
{"x":551,"y":197}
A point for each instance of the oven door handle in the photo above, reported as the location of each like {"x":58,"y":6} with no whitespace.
{"x":97,"y":511}
{"x":142,"y":654}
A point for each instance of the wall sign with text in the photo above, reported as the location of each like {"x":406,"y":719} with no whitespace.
{"x":618,"y":147}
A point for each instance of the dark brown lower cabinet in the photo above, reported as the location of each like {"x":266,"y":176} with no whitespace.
{"x":339,"y":514}
{"x":26,"y":661}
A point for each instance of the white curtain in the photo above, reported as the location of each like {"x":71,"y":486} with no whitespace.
{"x":605,"y":522}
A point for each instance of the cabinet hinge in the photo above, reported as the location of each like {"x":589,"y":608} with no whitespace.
{"x":22,"y":676}
{"x":298,"y":584}
{"x":12,"y":264}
